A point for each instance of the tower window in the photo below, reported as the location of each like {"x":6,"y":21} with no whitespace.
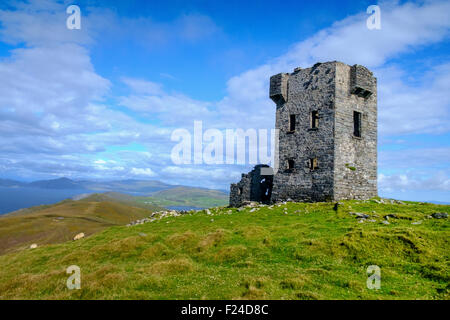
{"x":292,"y":122}
{"x":240,"y":191}
{"x":357,"y":124}
{"x":313,"y":164}
{"x":290,"y":164}
{"x":314,"y":119}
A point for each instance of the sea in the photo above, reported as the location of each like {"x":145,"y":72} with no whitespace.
{"x":12,"y":199}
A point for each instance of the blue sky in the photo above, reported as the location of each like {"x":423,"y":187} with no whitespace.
{"x":102,"y":102}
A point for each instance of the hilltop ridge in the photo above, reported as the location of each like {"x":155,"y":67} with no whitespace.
{"x":60,"y":222}
{"x":282,"y":251}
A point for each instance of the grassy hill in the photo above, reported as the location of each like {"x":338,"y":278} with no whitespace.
{"x":290,"y":251}
{"x":123,"y":198}
{"x":187,"y":196}
{"x":124,"y":186}
{"x":62,"y":221}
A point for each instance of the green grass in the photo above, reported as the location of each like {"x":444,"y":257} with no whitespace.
{"x":310,"y":252}
{"x":60,"y":222}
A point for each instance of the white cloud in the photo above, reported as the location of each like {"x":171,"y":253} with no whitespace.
{"x":146,"y":172}
{"x":209,"y":176}
{"x":405,"y":27}
{"x":39,"y":23}
{"x":194,"y":26}
{"x":53,"y":109}
{"x":149,"y":99}
{"x":404,"y":182}
{"x":48,"y":89}
{"x":143,"y":86}
{"x":422,"y":157}
{"x":422,"y":107}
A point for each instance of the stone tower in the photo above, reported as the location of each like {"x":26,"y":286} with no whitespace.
{"x":327,"y":121}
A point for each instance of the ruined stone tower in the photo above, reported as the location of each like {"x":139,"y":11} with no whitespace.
{"x":327,"y":121}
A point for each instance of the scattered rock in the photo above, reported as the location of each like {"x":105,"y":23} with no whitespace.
{"x":360,"y":215}
{"x":440,"y":215}
{"x":391,"y":215}
{"x":417,"y":222}
{"x":33,"y":246}
{"x":250,"y":204}
{"x":385,"y":222}
{"x":79,"y":236}
{"x":208,"y":212}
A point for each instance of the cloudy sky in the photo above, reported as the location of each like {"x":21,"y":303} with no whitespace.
{"x":102,"y":102}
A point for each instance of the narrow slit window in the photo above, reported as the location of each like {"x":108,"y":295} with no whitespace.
{"x":240,"y":191}
{"x":357,"y":124}
{"x":314,"y":119}
{"x":290,"y":164}
{"x":313,"y":164}
{"x":292,"y":122}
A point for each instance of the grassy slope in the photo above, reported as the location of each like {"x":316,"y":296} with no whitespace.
{"x":188,"y":196}
{"x":122,"y":198}
{"x":62,"y":221}
{"x":311,"y":252}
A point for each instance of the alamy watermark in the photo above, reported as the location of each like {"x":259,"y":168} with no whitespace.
{"x":74,"y":281}
{"x":74,"y":20}
{"x":373,"y":22}
{"x":373,"y":277}
{"x":229,"y":146}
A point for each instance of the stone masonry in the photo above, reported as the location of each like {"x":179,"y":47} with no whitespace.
{"x":253,"y":187}
{"x":327,"y":121}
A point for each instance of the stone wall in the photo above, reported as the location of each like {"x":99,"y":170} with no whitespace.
{"x":252,"y":187}
{"x":279,"y":88}
{"x":310,"y":89}
{"x":355,"y":171}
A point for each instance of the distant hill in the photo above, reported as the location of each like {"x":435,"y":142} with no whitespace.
{"x":179,"y":197}
{"x":127,"y":186}
{"x":15,"y":195}
{"x":60,"y":222}
{"x":142,"y":187}
{"x":60,"y":183}
{"x":125,"y":199}
{"x":187,"y":197}
{"x":11,"y":183}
